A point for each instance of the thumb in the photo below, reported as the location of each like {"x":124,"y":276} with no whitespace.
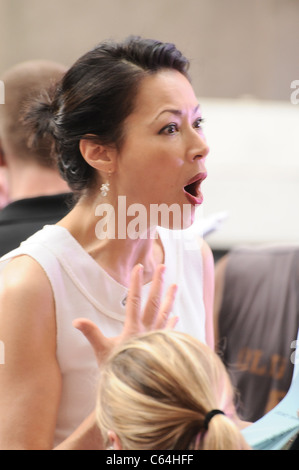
{"x":93,"y":334}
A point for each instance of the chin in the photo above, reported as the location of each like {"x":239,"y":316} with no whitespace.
{"x":172,"y":216}
{"x":188,"y":217}
{"x":182,"y":223}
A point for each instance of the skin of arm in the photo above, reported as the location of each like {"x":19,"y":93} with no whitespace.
{"x":86,"y":437}
{"x":208,"y":292}
{"x":30,"y":379}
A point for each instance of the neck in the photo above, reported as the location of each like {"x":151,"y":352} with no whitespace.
{"x":117,"y":251}
{"x":33,"y":181}
{"x":118,"y":257}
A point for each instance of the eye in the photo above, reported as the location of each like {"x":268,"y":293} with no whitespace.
{"x":198,"y":123}
{"x":170,"y":129}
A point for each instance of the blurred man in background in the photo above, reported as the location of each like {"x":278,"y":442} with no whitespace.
{"x":36,"y":194}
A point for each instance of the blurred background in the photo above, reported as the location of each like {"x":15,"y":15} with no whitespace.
{"x":244,"y":58}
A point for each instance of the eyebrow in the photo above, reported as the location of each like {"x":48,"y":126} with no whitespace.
{"x":177,"y":112}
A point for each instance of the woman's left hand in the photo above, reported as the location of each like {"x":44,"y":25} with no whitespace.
{"x":155,"y":315}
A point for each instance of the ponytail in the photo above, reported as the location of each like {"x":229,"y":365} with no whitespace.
{"x":157,"y":392}
{"x":222,"y":434}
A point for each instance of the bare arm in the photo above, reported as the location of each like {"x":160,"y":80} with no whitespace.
{"x":208,"y":286}
{"x":86,"y":437}
{"x":30,"y":381}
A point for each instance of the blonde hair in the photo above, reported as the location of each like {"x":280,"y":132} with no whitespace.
{"x":156,"y":390}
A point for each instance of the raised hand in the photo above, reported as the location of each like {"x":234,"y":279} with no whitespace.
{"x":155,"y":315}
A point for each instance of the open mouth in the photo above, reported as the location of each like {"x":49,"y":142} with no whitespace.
{"x":192,"y":189}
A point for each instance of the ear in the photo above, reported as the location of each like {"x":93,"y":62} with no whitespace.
{"x":114,"y":441}
{"x":101,"y":157}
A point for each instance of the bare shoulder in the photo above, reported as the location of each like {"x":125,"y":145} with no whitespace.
{"x":20,"y":268}
{"x":30,"y":379}
{"x":24,"y":275}
{"x":26,"y":297}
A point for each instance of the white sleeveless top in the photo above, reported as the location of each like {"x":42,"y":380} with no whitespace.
{"x":83,"y":289}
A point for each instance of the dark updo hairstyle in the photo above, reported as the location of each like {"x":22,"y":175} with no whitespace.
{"x":94,"y":98}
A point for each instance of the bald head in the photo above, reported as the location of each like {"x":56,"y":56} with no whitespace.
{"x":24,"y":82}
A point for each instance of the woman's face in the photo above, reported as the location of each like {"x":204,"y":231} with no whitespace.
{"x":164,"y":149}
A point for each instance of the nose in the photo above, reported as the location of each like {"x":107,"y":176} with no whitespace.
{"x":198,"y":147}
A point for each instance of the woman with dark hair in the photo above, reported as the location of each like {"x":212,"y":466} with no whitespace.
{"x":126,"y":129}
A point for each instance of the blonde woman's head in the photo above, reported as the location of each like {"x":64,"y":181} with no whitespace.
{"x":156,"y":390}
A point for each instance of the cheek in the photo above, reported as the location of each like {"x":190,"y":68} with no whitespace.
{"x":137,"y":164}
{"x":146,"y":166}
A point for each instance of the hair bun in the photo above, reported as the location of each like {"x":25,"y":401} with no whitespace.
{"x":38,"y":116}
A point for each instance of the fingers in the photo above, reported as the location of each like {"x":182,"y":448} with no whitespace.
{"x":153,"y":303}
{"x":156,"y":313}
{"x":92,"y":333}
{"x":163,"y":320}
{"x":133,"y":304}
{"x":171,"y":323}
{"x":155,"y":316}
{"x":88,"y":328}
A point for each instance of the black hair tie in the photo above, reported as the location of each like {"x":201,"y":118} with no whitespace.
{"x":209,"y":416}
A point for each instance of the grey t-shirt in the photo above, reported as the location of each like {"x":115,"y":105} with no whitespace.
{"x":258,"y":322}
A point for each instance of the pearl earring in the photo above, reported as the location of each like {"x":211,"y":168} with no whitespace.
{"x":105,"y":188}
